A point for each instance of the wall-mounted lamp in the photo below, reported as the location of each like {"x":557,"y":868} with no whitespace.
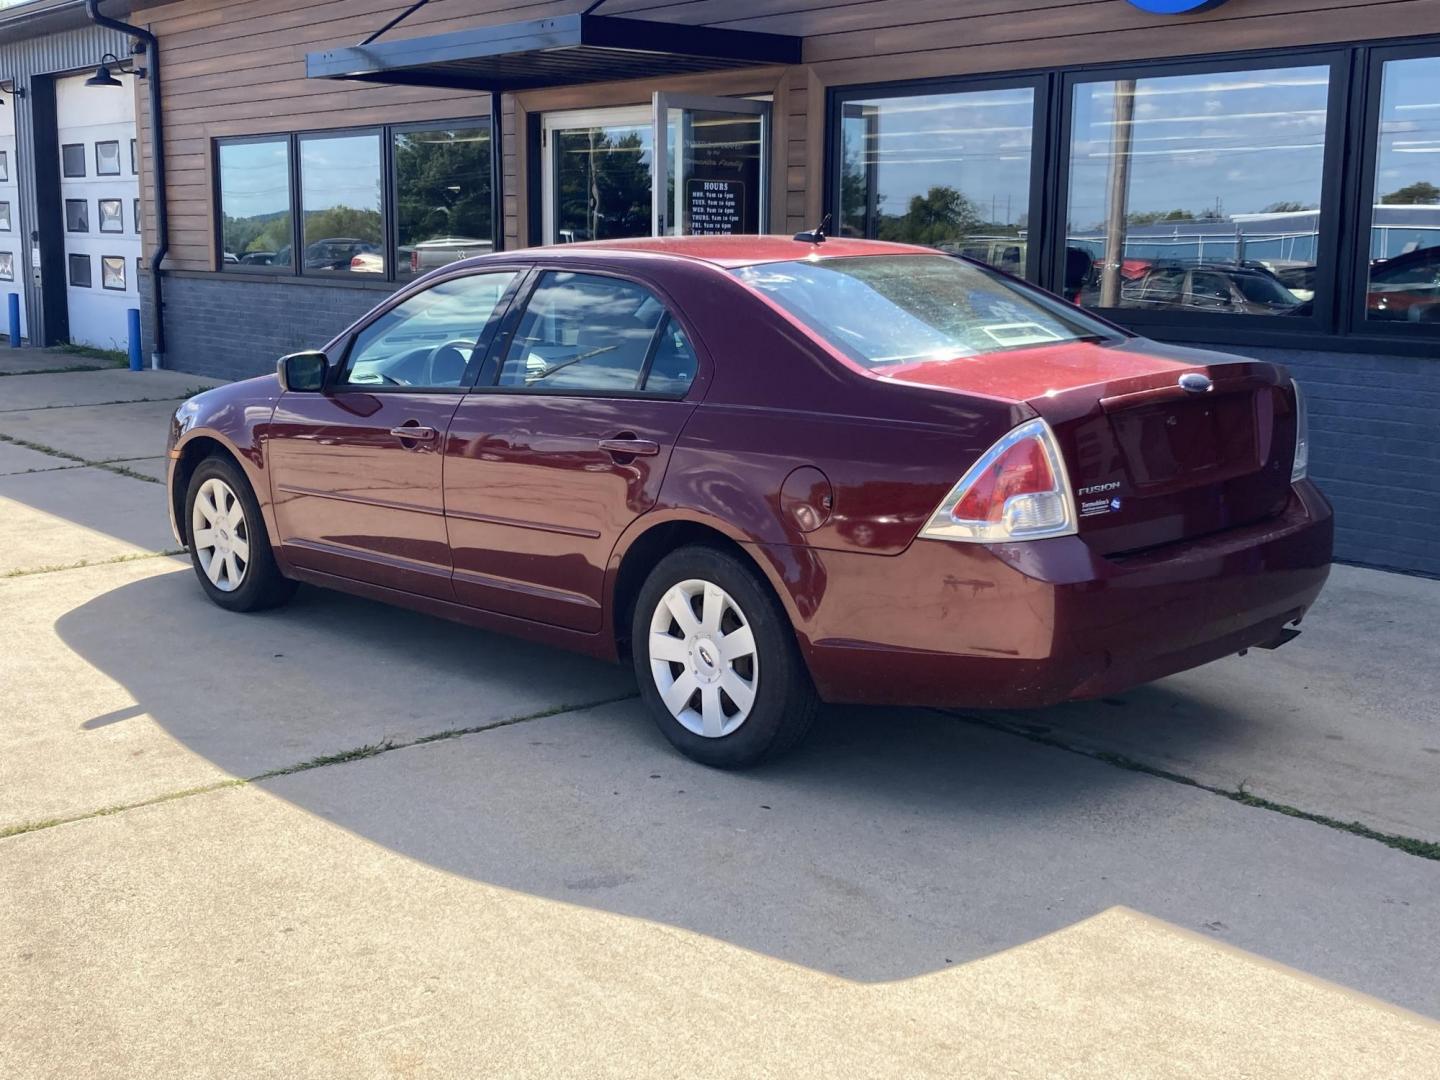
{"x":15,"y":92}
{"x":102,"y":76}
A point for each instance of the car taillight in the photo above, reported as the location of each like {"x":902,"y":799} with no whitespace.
{"x":1017,"y":490}
{"x":1301,"y":468}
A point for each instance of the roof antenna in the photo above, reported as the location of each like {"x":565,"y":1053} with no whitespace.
{"x":815,"y":235}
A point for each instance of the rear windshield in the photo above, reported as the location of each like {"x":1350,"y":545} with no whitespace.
{"x":898,"y":309}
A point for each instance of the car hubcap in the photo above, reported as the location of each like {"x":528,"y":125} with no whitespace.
{"x":702,"y":655}
{"x":219,"y":536}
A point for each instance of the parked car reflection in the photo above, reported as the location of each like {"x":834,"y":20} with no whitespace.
{"x":1406,"y":287}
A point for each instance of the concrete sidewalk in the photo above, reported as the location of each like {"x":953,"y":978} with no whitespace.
{"x":342,"y":839}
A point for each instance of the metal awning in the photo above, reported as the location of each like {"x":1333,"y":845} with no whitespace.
{"x":563,"y":51}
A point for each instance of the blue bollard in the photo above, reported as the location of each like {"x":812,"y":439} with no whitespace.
{"x":135,"y":362}
{"x":14,"y":320}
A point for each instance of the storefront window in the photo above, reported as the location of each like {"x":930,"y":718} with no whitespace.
{"x":1198,"y":193}
{"x":340,"y":201}
{"x":443,"y":209}
{"x":601,"y":181}
{"x":255,"y":212}
{"x":950,"y":171}
{"x":1404,"y":284}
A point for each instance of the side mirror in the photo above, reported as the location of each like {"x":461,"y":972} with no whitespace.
{"x":303,"y":372}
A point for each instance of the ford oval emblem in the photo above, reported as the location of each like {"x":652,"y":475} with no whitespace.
{"x":1193,"y":382}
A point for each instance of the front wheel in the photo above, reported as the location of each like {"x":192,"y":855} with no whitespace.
{"x":228,"y":545}
{"x":717,"y":661}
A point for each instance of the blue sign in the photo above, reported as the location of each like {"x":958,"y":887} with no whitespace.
{"x":1176,"y":7}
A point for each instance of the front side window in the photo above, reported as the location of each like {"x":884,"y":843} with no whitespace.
{"x":255,"y":210}
{"x":427,"y":341}
{"x":583,"y":332}
{"x":950,"y":171}
{"x":340,"y":200}
{"x":442,"y":197}
{"x":1404,"y":284}
{"x":904,"y":309}
{"x":1217,"y":174}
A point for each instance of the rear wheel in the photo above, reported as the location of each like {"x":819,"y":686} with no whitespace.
{"x":717,"y":661}
{"x":228,"y":545}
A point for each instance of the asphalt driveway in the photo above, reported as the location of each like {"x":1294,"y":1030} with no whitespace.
{"x":340,"y":839}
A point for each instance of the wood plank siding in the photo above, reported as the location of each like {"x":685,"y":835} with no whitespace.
{"x":237,"y":67}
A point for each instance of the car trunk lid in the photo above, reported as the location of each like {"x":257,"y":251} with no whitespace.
{"x":1149,"y":461}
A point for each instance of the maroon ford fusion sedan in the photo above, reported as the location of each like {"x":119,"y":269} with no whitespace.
{"x":771,"y":472}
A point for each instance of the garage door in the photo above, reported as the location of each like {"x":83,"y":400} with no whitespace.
{"x":10,"y":235}
{"x":100,"y":195}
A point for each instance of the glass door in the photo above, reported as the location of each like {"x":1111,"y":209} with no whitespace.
{"x":711,"y":165}
{"x":597,"y":174}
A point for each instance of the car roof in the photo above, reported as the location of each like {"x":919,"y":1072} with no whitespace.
{"x":733,"y":251}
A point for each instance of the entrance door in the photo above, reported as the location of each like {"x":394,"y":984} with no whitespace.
{"x":685,"y":165}
{"x":100,"y":193}
{"x":597,"y":174}
{"x":711,"y":165}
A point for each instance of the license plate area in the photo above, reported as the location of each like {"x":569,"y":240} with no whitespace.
{"x":1186,"y":443}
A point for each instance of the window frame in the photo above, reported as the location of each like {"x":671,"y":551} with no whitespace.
{"x":1037,"y":82}
{"x":389,"y":224}
{"x":100,"y":215}
{"x":85,"y":205}
{"x":70,"y":257}
{"x":1356,"y":303}
{"x":66,"y":175}
{"x":487,"y":380}
{"x":217,"y":207}
{"x":119,"y":168}
{"x":298,"y":186}
{"x":337,"y":380}
{"x":1351,"y":137}
{"x":392,"y":186}
{"x":124,"y":274}
{"x":1327,"y":245}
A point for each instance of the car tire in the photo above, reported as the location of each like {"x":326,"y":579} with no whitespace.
{"x":232,"y":556}
{"x":750,"y":696}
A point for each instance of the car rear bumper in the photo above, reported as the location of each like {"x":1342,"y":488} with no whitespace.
{"x":1017,"y":625}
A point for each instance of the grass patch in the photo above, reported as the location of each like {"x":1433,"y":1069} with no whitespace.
{"x":121,"y":470}
{"x":112,"y":357}
{"x":358,"y":753}
{"x":66,"y":370}
{"x":41,"y":448}
{"x":1424,"y":849}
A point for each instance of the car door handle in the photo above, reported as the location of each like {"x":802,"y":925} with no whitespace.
{"x":631,"y":447}
{"x":414,"y":432}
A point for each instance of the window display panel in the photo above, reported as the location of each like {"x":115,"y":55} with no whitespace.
{"x":1198,"y":193}
{"x":950,"y":171}
{"x":1404,"y":283}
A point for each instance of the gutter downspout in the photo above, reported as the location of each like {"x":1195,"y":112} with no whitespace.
{"x":157,"y":136}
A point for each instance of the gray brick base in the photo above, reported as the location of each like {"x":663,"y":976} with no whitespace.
{"x":1374,"y":420}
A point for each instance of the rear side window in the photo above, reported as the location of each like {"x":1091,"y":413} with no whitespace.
{"x":593,"y":334}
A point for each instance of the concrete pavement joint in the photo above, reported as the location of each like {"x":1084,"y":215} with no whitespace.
{"x":114,"y":465}
{"x":358,"y":753}
{"x":132,"y":557}
{"x":101,"y":404}
{"x":1423,"y":849}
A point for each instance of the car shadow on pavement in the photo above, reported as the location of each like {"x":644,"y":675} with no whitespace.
{"x":893,"y":843}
